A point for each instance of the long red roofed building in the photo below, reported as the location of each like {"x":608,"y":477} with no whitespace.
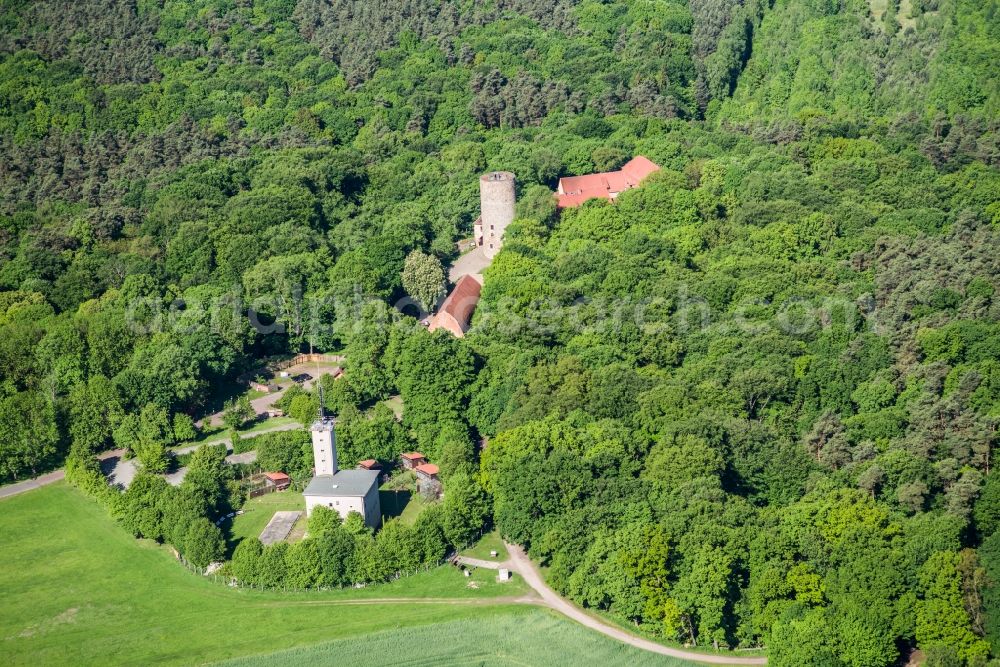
{"x":456,"y":311}
{"x":574,"y":190}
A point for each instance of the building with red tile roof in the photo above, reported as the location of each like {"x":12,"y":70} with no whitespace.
{"x":278,"y":480}
{"x":427,"y":470}
{"x":428,"y":483}
{"x":369,"y":464}
{"x":456,"y":311}
{"x":413,"y":459}
{"x":574,"y":190}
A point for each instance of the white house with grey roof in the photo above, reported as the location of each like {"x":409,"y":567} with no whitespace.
{"x":343,"y":491}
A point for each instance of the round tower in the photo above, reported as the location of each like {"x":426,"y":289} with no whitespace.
{"x":496,"y":201}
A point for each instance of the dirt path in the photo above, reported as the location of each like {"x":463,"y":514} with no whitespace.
{"x":124,"y":470}
{"x":32,"y":484}
{"x":522,"y":565}
{"x":367,"y":601}
{"x":243,"y":436}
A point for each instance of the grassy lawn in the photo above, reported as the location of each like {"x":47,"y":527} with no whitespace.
{"x":905,"y":10}
{"x":78,"y":590}
{"x":395,"y":404}
{"x":878,"y":8}
{"x":413,"y":509}
{"x":219,"y":433}
{"x":393,"y":502}
{"x":526,"y":637}
{"x":403,"y":504}
{"x":265,"y":424}
{"x":258,"y":511}
{"x":489,"y":542}
{"x":398,"y":498}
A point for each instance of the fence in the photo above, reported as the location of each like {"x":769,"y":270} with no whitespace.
{"x":282,"y":364}
{"x":314,"y":358}
{"x":232,"y":582}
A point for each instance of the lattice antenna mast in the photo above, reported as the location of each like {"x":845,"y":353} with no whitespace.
{"x":322,"y":403}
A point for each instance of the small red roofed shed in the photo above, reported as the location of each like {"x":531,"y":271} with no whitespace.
{"x":456,"y":311}
{"x":428,"y":470}
{"x":279,"y":480}
{"x":413,"y":459}
{"x":369,"y":464}
{"x":428,"y":483}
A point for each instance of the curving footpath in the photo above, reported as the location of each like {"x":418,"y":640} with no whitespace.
{"x":522,"y":565}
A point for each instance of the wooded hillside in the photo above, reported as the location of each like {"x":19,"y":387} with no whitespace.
{"x":752,"y":404}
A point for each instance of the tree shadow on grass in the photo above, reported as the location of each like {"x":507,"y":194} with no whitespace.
{"x":394,"y":502}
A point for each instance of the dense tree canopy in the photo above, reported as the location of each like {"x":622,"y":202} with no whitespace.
{"x":751,"y":404}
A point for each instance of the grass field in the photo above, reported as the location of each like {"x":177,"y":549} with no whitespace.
{"x":395,"y":404}
{"x":265,"y":424}
{"x":527,"y":637}
{"x":258,"y":511}
{"x":399,"y":498}
{"x":217,"y":434}
{"x":489,"y":542}
{"x":78,"y":590}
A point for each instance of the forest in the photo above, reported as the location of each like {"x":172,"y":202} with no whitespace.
{"x":751,"y":405}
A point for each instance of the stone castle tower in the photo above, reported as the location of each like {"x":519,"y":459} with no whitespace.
{"x":324,"y":446}
{"x":496,"y":199}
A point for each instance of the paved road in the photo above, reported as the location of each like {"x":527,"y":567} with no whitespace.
{"x":473,"y":262}
{"x":31,"y":484}
{"x":261,"y":404}
{"x":288,"y":426}
{"x":125,"y":469}
{"x":48,"y":478}
{"x":522,"y":565}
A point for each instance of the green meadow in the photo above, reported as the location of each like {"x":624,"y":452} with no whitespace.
{"x":527,"y":638}
{"x":78,"y":590}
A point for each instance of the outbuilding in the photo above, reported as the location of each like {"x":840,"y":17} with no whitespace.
{"x":412,"y":459}
{"x":279,"y":481}
{"x":428,"y":483}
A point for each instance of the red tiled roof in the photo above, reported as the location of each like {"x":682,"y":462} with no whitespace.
{"x":427,"y":469}
{"x":456,"y":310}
{"x":639,"y":168}
{"x":574,"y":190}
{"x":412,"y":456}
{"x":277,"y":476}
{"x":368,"y":464}
{"x":570,"y":201}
